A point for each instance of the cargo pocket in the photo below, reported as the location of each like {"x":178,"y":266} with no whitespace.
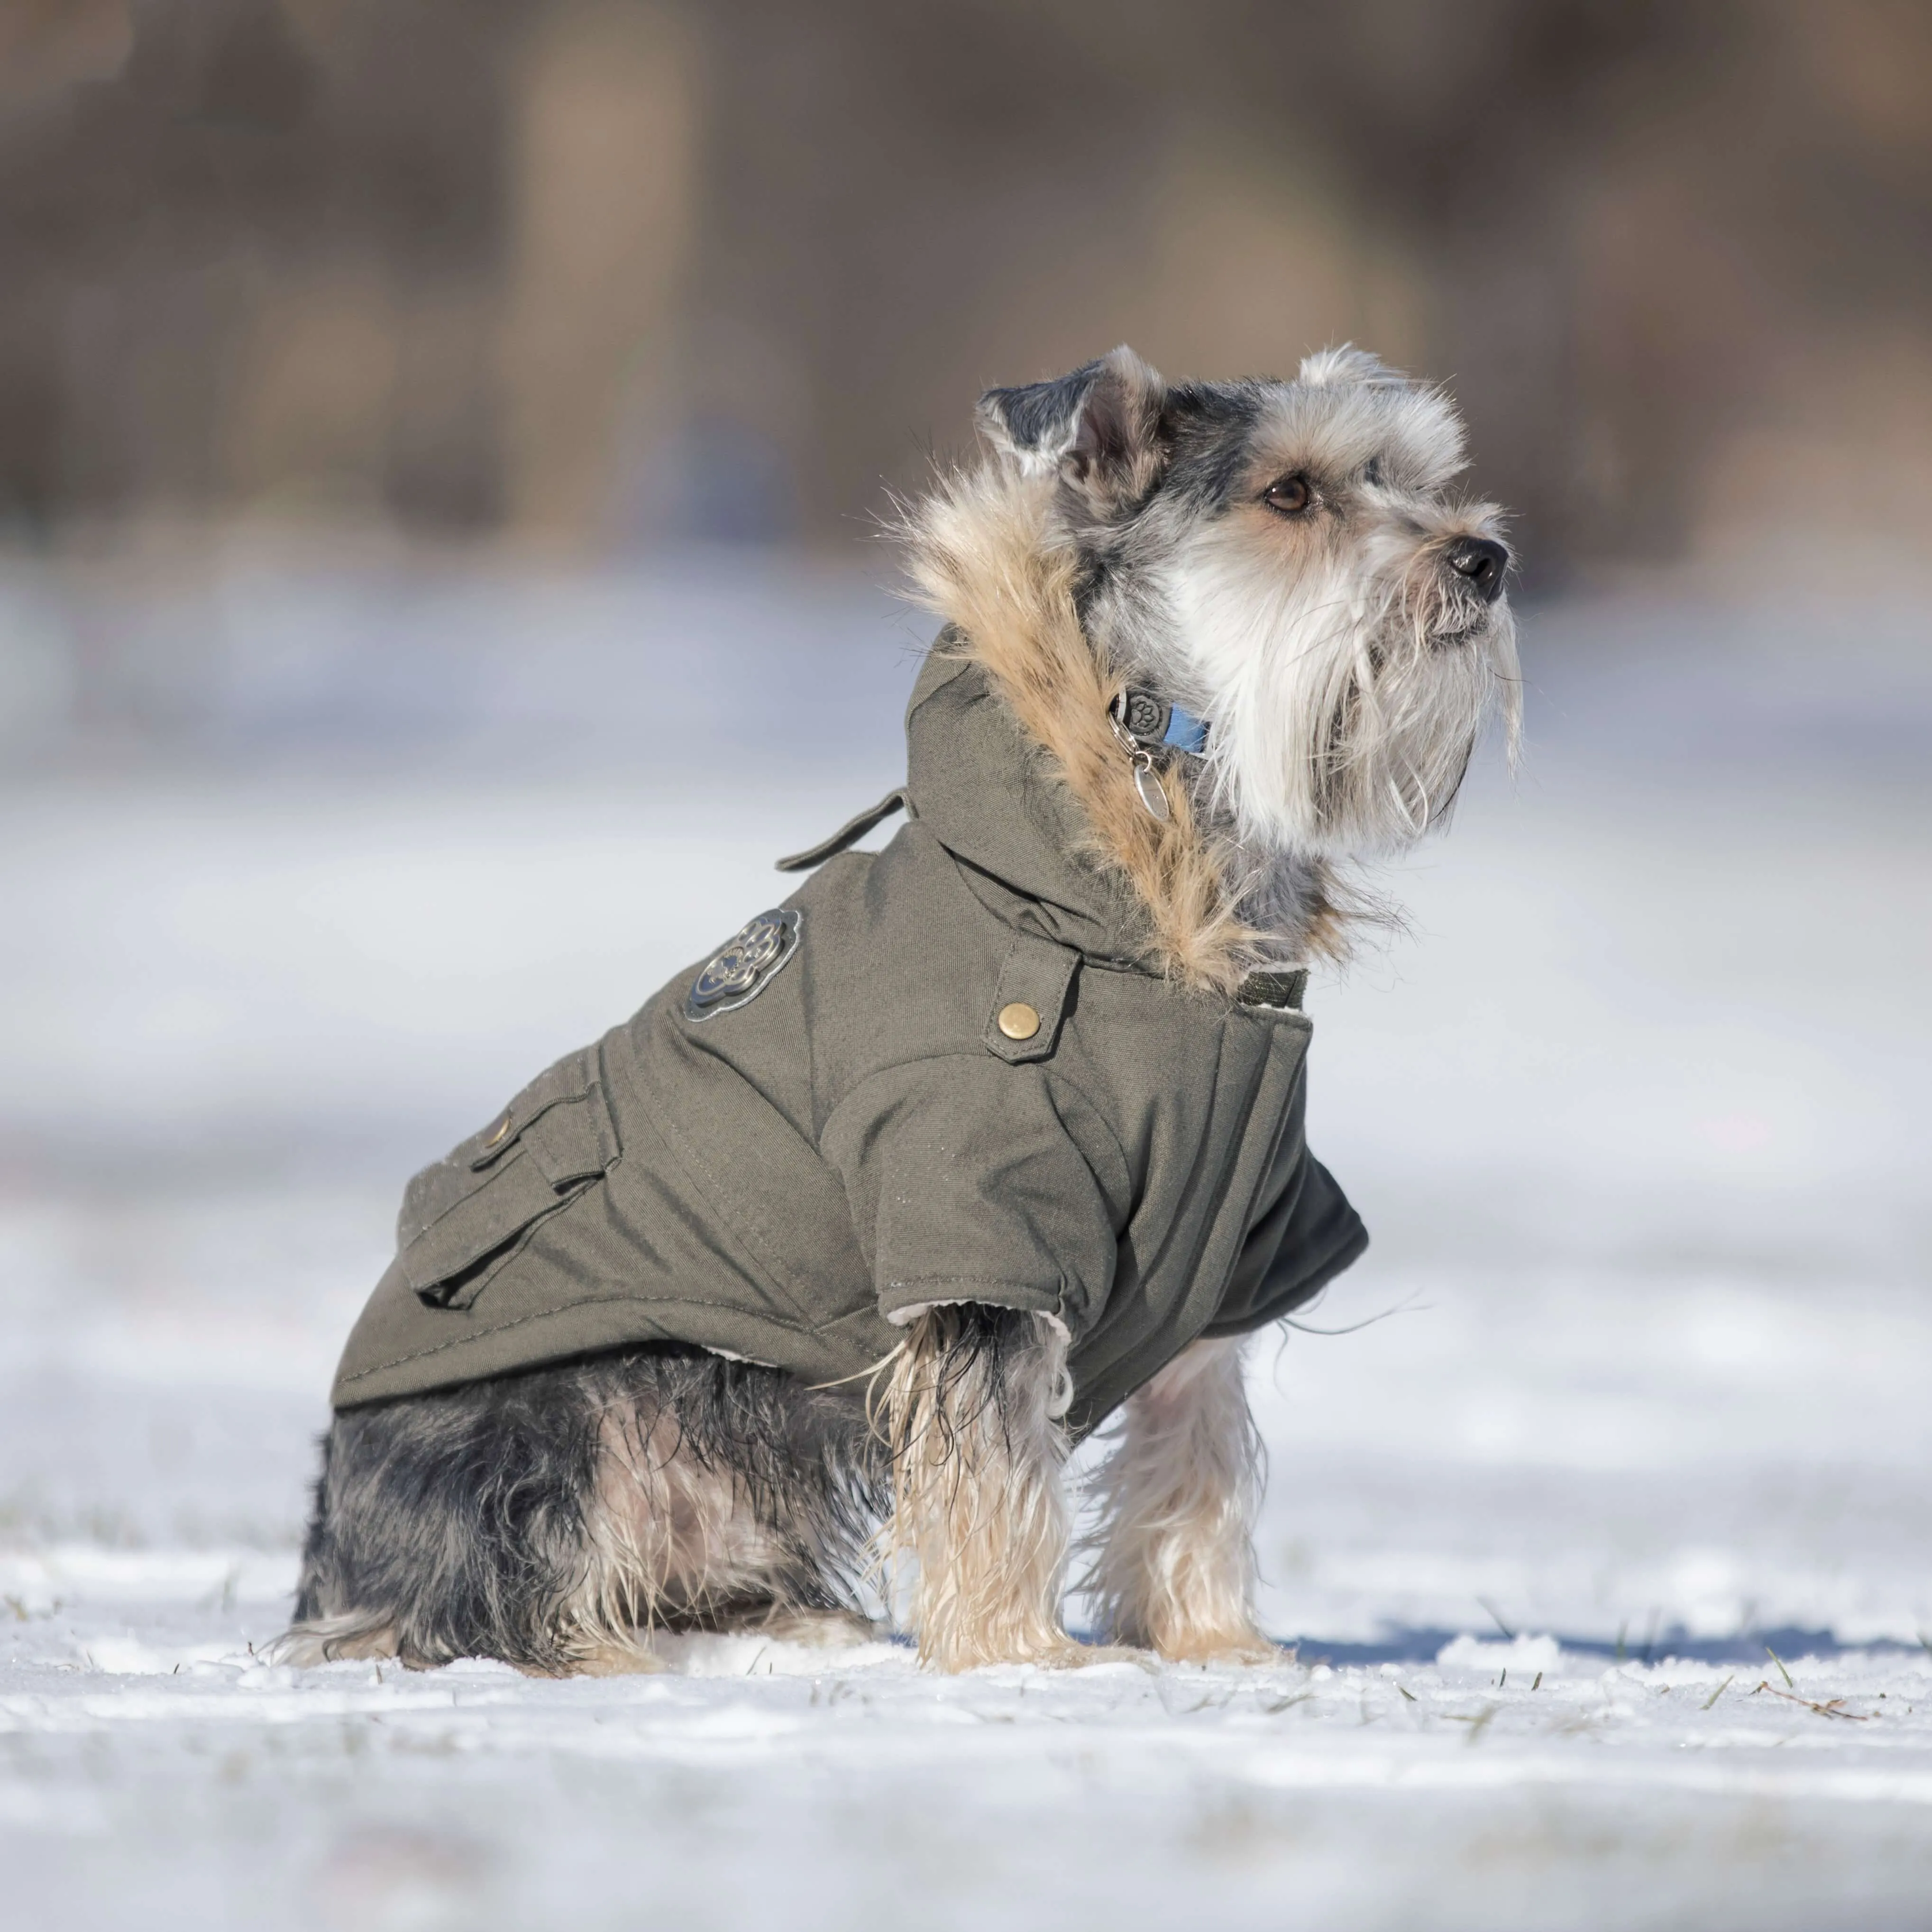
{"x":466,"y":1217}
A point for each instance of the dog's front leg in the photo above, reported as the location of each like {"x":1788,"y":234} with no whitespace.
{"x":978,"y":1504}
{"x":1174,"y":1567}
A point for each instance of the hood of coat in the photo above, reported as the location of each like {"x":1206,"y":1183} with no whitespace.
{"x":1013,"y":763}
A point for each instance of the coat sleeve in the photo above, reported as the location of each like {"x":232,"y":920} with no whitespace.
{"x":1303,"y":1235}
{"x":966,"y":1185}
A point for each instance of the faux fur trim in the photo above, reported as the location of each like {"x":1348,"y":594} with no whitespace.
{"x":979,"y":556}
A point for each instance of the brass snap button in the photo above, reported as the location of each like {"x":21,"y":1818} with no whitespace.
{"x":497,"y":1133}
{"x":1018,"y":1020}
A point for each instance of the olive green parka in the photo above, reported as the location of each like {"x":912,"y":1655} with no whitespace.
{"x":794,"y":1149}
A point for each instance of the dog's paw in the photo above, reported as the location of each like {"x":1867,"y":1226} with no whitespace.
{"x":1076,"y":1654}
{"x":1058,"y":1652}
{"x":1238,"y":1646}
{"x":612,"y":1659}
{"x":1079,"y":1656}
{"x":818,"y":1630}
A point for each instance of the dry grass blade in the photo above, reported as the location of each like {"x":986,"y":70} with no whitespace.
{"x":1832,"y":1708}
{"x":1273,"y":1706}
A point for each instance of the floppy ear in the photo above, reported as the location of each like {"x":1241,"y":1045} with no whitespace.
{"x":1096,"y":429}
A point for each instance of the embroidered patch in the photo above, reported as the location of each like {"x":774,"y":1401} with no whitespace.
{"x":743,"y":968}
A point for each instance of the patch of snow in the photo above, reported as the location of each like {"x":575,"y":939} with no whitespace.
{"x":1603,"y":1569}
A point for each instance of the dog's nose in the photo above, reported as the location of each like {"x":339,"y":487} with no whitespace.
{"x":1483,"y":561}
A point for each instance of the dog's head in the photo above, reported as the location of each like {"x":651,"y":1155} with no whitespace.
{"x":1285,"y":559}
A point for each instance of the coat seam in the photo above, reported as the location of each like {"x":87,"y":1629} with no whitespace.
{"x":1055,"y":1077}
{"x":1058,"y":1290}
{"x":564,"y":1308}
{"x":978,"y":1059}
{"x":1126,"y":1349}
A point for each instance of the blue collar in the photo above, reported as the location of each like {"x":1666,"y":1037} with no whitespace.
{"x":1151,"y":722}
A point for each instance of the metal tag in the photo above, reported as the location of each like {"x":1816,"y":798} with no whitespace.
{"x":1146,"y":782}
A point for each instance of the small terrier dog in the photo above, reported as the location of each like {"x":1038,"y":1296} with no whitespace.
{"x":1235,"y":635}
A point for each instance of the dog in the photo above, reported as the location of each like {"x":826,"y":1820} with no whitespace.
{"x":976,"y":1144}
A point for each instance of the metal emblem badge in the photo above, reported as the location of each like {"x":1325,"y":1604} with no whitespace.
{"x":742,"y":968}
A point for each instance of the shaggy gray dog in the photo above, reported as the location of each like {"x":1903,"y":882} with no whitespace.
{"x":1216,"y":640}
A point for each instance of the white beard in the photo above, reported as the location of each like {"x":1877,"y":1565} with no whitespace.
{"x":1341,"y":721}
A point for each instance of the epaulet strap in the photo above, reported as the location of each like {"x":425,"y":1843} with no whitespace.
{"x":1275,"y":989}
{"x":850,"y":833}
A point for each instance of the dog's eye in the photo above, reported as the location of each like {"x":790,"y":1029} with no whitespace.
{"x":1290,"y":496}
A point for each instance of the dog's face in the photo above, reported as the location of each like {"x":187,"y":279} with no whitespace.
{"x":1284,"y":559}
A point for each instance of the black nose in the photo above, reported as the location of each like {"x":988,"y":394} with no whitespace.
{"x":1482,"y":561}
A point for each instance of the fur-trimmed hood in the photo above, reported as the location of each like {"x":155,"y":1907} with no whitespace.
{"x":1037,"y":789}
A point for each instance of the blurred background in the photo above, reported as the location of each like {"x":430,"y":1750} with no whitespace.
{"x":441,"y":444}
{"x":586,"y":276}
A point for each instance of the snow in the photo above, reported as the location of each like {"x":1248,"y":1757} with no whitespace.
{"x":1603,"y":1556}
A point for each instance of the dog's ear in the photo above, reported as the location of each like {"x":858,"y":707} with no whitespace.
{"x":1097,"y":429}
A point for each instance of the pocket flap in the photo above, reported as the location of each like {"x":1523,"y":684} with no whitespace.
{"x":570,"y":1142}
{"x":554,"y":1140}
{"x":516,"y":1194}
{"x":574,"y":1079}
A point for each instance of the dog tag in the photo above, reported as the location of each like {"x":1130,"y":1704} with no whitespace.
{"x":1146,"y":782}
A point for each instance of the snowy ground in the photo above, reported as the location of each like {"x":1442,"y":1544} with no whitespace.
{"x":1635,"y":1116}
